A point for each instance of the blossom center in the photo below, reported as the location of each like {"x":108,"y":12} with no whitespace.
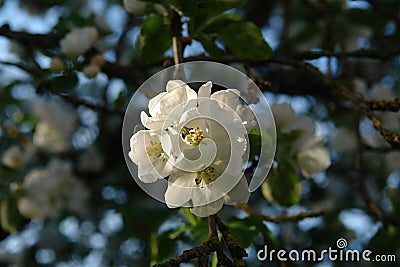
{"x":207,"y":175}
{"x":192,"y":136}
{"x":155,"y":150}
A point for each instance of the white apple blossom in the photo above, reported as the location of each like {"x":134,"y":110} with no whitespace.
{"x":52,"y":190}
{"x":57,"y":122}
{"x":229,"y":99}
{"x":79,"y":41}
{"x":167,"y":107}
{"x":198,"y":141}
{"x":148,"y":154}
{"x":311,"y":154}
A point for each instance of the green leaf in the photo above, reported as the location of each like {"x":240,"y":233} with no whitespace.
{"x":244,"y":230}
{"x":394,"y":196}
{"x":154,"y":39}
{"x":215,"y":24}
{"x":210,"y":46}
{"x":10,"y":218}
{"x":246,"y":40}
{"x":259,"y":140}
{"x":282,"y":185}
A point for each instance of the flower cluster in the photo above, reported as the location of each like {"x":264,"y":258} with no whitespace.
{"x":197,"y":140}
{"x":57,"y":123}
{"x":309,"y":150}
{"x":49,"y":191}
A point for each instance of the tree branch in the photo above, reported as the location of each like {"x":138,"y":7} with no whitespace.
{"x":384,"y":105}
{"x":44,"y":41}
{"x":234,"y":247}
{"x":283,"y":218}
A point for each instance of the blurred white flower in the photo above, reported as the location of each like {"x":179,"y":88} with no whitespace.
{"x":286,"y":120}
{"x":57,"y":122}
{"x":15,"y":157}
{"x":309,"y":150}
{"x":52,"y":190}
{"x":312,"y":156}
{"x":135,"y":7}
{"x":79,"y":41}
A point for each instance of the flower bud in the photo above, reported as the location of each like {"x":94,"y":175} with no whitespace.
{"x":135,"y":7}
{"x":91,"y":70}
{"x":57,"y":64}
{"x":79,"y":41}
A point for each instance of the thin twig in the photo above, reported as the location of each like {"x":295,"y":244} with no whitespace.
{"x":384,"y":105}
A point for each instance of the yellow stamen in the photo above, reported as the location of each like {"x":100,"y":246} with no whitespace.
{"x":207,"y":175}
{"x":155,"y":150}
{"x":193,"y":136}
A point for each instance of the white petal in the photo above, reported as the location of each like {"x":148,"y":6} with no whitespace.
{"x":301,"y":122}
{"x":283,"y":115}
{"x":209,"y":209}
{"x":239,"y":194}
{"x":197,"y":158}
{"x":138,"y":147}
{"x":154,"y":104}
{"x":173,"y":84}
{"x":309,"y":141}
{"x":313,"y":160}
{"x":227,"y":97}
{"x":247,"y":117}
{"x":180,"y":186}
{"x":149,"y":169}
{"x":204,"y":92}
